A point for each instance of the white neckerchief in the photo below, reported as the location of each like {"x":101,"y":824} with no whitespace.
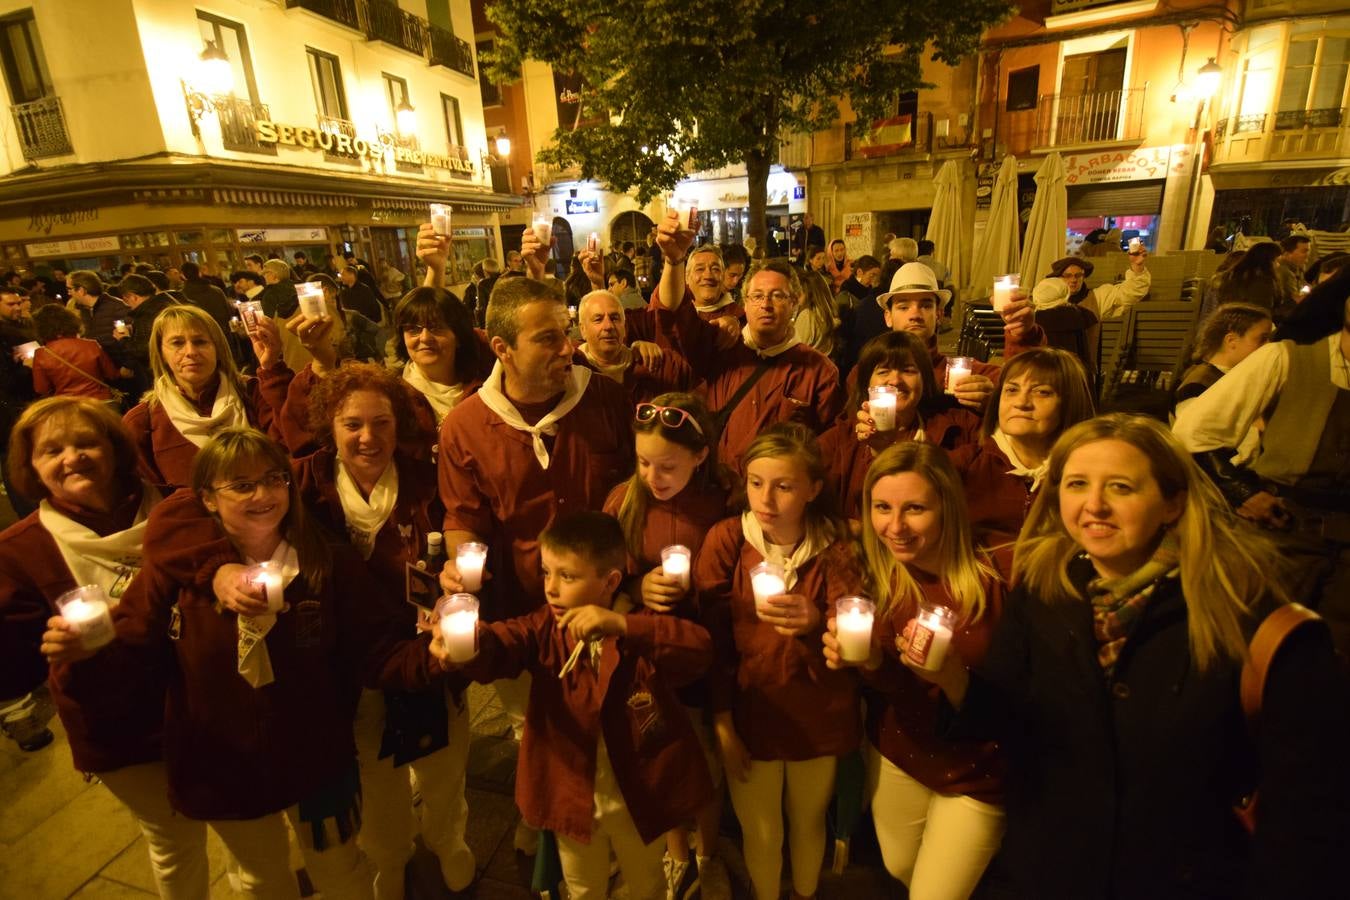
{"x":613,"y":372}
{"x":722,"y":302}
{"x":109,"y":561}
{"x":226,"y":412}
{"x":255,"y":663}
{"x":365,"y":517}
{"x":442,"y":397}
{"x":769,"y":352}
{"x":1019,"y":468}
{"x":494,"y":398}
{"x":807,"y":549}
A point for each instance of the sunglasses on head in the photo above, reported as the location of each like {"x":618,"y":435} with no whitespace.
{"x":669,"y":416}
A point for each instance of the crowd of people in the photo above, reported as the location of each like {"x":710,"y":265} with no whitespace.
{"x":752,"y":538}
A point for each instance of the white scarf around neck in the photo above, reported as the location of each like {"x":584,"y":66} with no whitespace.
{"x":721,"y":302}
{"x":614,"y":372}
{"x":494,"y":398}
{"x":769,"y":352}
{"x":442,"y":397}
{"x":365,"y":517}
{"x":255,"y":663}
{"x":1028,"y":473}
{"x":109,"y":561}
{"x":226,"y":412}
{"x":809,"y":547}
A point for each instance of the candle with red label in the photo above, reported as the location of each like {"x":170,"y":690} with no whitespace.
{"x":265,"y":581}
{"x":930,"y":637}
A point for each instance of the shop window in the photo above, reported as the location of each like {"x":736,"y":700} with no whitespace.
{"x":491,"y":90}
{"x":1023,"y":88}
{"x":1312,"y":92}
{"x":187,"y":237}
{"x":325,"y":74}
{"x":220,"y":236}
{"x":24,"y":63}
{"x":454,"y":125}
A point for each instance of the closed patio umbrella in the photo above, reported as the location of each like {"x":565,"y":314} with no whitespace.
{"x":944,"y":225}
{"x":1045,"y":240}
{"x":998,"y":252}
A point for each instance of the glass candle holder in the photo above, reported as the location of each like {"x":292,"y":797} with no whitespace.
{"x":470,"y":558}
{"x":675,"y":562}
{"x":853,"y":619}
{"x":458,"y":615}
{"x":87,"y":610}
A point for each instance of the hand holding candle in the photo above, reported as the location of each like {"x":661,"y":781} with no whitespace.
{"x":675,"y":561}
{"x":470,"y":558}
{"x":958,"y":367}
{"x":265,"y":582}
{"x":853,"y":628}
{"x":440,"y":219}
{"x":881,"y":403}
{"x":1005,"y":288}
{"x":766,"y":580}
{"x":458,"y":618}
{"x":87,"y":612}
{"x":310,"y":295}
{"x":930,"y":634}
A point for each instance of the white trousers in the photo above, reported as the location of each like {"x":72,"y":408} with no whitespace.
{"x":586,"y":866}
{"x":177,"y":844}
{"x":937,"y":844}
{"x":388,"y":824}
{"x":759,"y":801}
{"x":515,"y":696}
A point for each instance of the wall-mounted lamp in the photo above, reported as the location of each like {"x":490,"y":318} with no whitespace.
{"x":405,"y":118}
{"x":1207,"y":79}
{"x":211,"y":87}
{"x":503,"y":145}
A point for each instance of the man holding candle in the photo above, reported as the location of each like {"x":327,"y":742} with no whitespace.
{"x":769,"y":376}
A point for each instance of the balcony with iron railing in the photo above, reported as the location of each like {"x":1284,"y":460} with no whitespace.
{"x":335,"y":126}
{"x":237,"y":119}
{"x":41,"y":125}
{"x":385,"y":21}
{"x":1285,"y":135}
{"x":1072,"y":120}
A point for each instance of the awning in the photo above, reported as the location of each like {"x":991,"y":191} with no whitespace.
{"x":1091,"y":201}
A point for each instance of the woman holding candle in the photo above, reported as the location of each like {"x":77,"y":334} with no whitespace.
{"x":1041,"y":394}
{"x":781,"y":716}
{"x":76,"y":456}
{"x":672,"y":500}
{"x":908,"y":406}
{"x":258,"y":718}
{"x":360,"y":483}
{"x":198,"y":390}
{"x":1111,"y":684}
{"x":934,"y":801}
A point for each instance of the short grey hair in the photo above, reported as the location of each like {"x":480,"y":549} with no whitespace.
{"x":704,"y":248}
{"x":278,"y":268}
{"x":907,"y":249}
{"x":581,"y":306}
{"x":508,"y":296}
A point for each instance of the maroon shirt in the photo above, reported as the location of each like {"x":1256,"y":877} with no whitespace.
{"x":786,"y":703}
{"x":493,"y":486}
{"x":51,"y":376}
{"x":629,"y":700}
{"x":998,"y":502}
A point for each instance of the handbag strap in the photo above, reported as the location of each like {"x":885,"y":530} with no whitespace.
{"x":1269,"y":637}
{"x":721,"y":416}
{"x":70,"y":365}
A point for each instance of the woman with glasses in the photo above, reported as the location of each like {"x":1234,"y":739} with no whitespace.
{"x":782,"y":718}
{"x":360,"y":483}
{"x":676,"y":495}
{"x":198,"y":390}
{"x":263,"y":682}
{"x":935,"y":802}
{"x":898,"y":360}
{"x":75,"y":457}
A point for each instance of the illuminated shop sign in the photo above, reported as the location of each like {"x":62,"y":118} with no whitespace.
{"x":350,"y":145}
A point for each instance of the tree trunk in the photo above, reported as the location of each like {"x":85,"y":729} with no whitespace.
{"x":757,"y":178}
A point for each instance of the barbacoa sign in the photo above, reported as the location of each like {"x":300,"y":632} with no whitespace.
{"x":345,"y":144}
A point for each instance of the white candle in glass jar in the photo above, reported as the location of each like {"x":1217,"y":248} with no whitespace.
{"x":1004,"y":288}
{"x":767,"y":580}
{"x":87,"y":611}
{"x":675,"y":563}
{"x":310,"y":295}
{"x":458,"y":614}
{"x":687,"y":213}
{"x":853,"y":628}
{"x":470,"y":558}
{"x":266,"y":581}
{"x":881,"y":402}
{"x":593,"y":242}
{"x":543,"y":231}
{"x":440,"y":219}
{"x":958,"y":367}
{"x":930,"y":637}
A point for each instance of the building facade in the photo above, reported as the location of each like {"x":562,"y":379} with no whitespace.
{"x":208,"y":131}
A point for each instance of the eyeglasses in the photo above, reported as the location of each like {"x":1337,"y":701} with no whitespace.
{"x":416,"y":330}
{"x":244,"y":489}
{"x":669,"y":416}
{"x":759,"y":297}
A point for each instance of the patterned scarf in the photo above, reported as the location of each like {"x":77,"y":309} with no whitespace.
{"x":1118,"y":603}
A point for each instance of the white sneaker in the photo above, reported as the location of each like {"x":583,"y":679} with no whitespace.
{"x":713,"y":881}
{"x":677,"y":871}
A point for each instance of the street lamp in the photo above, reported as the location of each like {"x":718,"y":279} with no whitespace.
{"x":503,"y":145}
{"x":212,"y":85}
{"x":1207,"y":80}
{"x":405,"y":118}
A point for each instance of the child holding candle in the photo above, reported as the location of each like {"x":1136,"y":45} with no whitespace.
{"x":673,"y":499}
{"x":922,"y":412}
{"x":934,"y":802}
{"x":781,"y":716}
{"x":608,"y":760}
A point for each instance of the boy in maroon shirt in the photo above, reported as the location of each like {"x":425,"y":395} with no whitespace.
{"x":609,"y":760}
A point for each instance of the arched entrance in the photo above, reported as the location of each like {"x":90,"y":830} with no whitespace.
{"x":562,"y":246}
{"x":629,"y":226}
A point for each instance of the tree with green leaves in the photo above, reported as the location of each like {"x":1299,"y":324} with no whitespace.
{"x":670,"y":87}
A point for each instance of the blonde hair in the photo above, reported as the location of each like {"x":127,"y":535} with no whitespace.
{"x":793,"y":440}
{"x":962,"y":570}
{"x":231,"y":447}
{"x":182,"y":317}
{"x":1219,"y":598}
